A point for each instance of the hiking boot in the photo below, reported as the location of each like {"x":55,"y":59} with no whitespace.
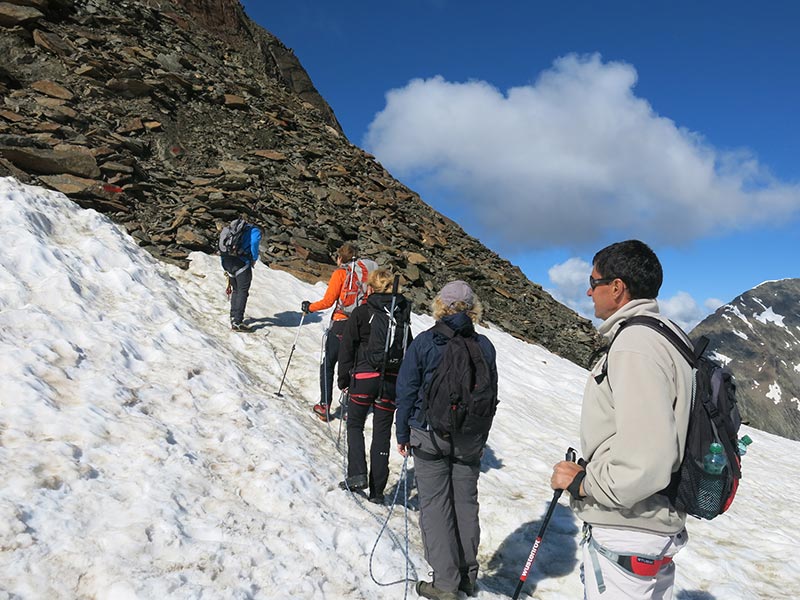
{"x":426,"y":590}
{"x":376,"y":499}
{"x":323,"y":411}
{"x":354,"y":483}
{"x":241,"y":327}
{"x":469,"y":588}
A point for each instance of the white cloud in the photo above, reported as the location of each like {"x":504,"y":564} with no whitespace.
{"x":572,"y":274}
{"x":570,"y":281}
{"x":683,"y":309}
{"x":574,"y":157}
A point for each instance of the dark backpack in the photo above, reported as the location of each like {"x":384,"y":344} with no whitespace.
{"x":388,"y":336}
{"x":714,"y":417}
{"x":462,"y":396}
{"x":231,"y":242}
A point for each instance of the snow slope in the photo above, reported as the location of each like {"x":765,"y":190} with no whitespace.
{"x":145,"y":454}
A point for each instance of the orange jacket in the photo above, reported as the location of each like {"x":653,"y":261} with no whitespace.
{"x":332,"y":294}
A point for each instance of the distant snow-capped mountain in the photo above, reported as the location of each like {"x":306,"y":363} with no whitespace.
{"x":757,"y":336}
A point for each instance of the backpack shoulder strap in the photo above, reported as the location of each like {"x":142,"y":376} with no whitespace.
{"x":440,"y":327}
{"x":690,"y":354}
{"x":476,"y":353}
{"x":390,"y":325}
{"x":362,"y":271}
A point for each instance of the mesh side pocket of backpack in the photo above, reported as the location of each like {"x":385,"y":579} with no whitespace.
{"x":701,"y":494}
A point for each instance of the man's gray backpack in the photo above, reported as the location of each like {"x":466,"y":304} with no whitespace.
{"x":231,"y":242}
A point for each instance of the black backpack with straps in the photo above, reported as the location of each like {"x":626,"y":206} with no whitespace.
{"x":714,"y":417}
{"x":389,"y":327}
{"x":462,"y":395}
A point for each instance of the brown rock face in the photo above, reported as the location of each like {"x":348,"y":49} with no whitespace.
{"x":173,"y":117}
{"x":222,"y":16}
{"x":48,"y":162}
{"x":12,"y":15}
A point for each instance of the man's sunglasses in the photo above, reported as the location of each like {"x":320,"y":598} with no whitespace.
{"x":593,"y":283}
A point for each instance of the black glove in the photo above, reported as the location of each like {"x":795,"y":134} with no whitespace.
{"x":306,"y":306}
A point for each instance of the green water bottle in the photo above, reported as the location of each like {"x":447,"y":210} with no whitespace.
{"x":714,"y":462}
{"x":744,"y":442}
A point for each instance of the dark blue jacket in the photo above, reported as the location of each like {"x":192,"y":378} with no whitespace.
{"x":421,"y":358}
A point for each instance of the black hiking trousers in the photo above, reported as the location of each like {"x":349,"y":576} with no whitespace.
{"x":363,"y":397}
{"x":329,"y":360}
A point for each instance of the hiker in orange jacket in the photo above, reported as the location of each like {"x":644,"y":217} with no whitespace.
{"x":346,"y":290}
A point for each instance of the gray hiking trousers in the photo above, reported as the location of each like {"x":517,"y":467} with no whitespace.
{"x":241,"y":275}
{"x":448,"y":504}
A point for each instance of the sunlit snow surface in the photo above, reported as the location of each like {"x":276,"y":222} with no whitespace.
{"x":145,"y":454}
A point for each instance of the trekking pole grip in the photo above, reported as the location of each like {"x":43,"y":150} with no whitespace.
{"x":570,"y":456}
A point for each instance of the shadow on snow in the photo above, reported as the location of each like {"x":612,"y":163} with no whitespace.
{"x":555,"y":557}
{"x":288,"y":318}
{"x":694,"y":595}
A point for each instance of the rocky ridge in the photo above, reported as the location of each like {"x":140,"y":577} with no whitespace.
{"x":173,"y":117}
{"x":757,"y":336}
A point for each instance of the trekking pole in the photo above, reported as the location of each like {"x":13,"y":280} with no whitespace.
{"x":291,"y":352}
{"x":571,"y":456}
{"x":344,"y":404}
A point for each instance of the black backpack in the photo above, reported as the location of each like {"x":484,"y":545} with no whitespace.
{"x":230,"y":239}
{"x":388,"y":336}
{"x":714,"y":417}
{"x":462,"y":394}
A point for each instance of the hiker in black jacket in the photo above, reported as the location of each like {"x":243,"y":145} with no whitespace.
{"x":371,"y":382}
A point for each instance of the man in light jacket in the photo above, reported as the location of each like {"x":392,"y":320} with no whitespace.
{"x":634,"y":420}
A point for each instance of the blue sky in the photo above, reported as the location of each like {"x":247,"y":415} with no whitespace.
{"x":549,"y":129}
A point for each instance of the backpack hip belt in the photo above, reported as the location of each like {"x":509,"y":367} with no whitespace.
{"x":451,"y":458}
{"x":641,"y":565}
{"x":422,"y":455}
{"x":240,"y":271}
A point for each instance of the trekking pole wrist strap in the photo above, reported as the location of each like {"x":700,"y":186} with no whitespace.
{"x":574,"y":488}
